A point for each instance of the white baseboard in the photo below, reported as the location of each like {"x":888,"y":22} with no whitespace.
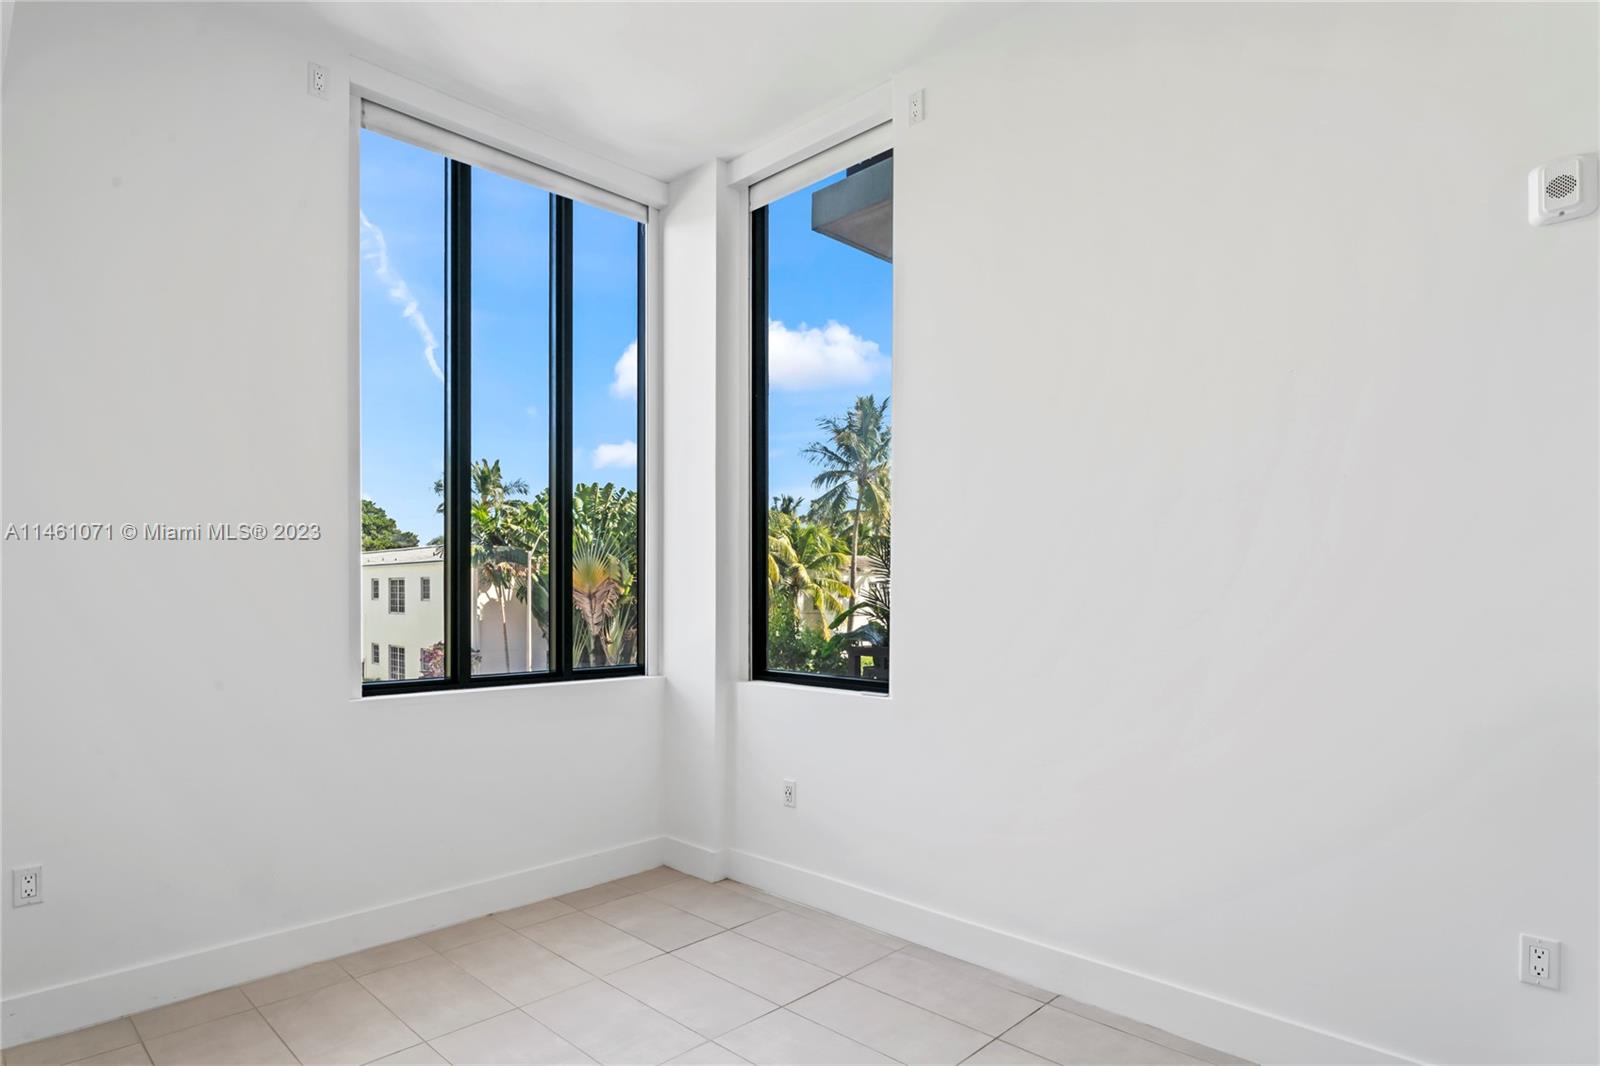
{"x":696,"y":860}
{"x":73,"y":1005}
{"x":1185,"y":1012}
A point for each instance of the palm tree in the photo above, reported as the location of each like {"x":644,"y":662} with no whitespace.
{"x":804,"y":563}
{"x":506,"y":537}
{"x":598,"y":577}
{"x":855,"y":469}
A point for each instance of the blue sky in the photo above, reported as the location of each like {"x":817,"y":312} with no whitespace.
{"x":829,"y":338}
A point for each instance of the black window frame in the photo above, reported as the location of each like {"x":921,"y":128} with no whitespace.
{"x":759,"y":490}
{"x":457,"y":346}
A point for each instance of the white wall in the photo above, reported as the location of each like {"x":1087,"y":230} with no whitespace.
{"x":1225,"y":356}
{"x":177,"y":243}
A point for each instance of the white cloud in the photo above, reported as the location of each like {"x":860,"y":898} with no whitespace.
{"x":625,"y":375}
{"x":811,"y":358}
{"x":375,"y":250}
{"x":624,"y":454}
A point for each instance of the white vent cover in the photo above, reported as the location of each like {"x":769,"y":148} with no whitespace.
{"x":1563,"y":190}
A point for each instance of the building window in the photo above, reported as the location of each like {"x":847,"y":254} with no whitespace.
{"x":822,"y":289}
{"x":397,"y":595}
{"x":374,"y":588}
{"x":496,"y":295}
{"x":375,"y":659}
{"x":397,"y":663}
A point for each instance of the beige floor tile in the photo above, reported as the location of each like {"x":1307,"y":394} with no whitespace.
{"x":1000,"y":1053}
{"x":1148,"y":1032}
{"x":708,"y":1005}
{"x":894,"y":1027}
{"x":237,"y":1040}
{"x":709,"y":1054}
{"x":1073,"y":1040}
{"x":585,"y":898}
{"x":133,"y":1055}
{"x":714,"y":903}
{"x":886,"y":939}
{"x":454,"y":936}
{"x":985,"y":1007}
{"x":434,"y":996}
{"x":829,"y":946}
{"x":70,"y":1047}
{"x":1010,"y":984}
{"x":784,"y":1039}
{"x":512,"y":1037}
{"x":516,"y":968}
{"x":416,"y":1055}
{"x":383,"y":956}
{"x":590,"y":943}
{"x":655,"y":922}
{"x":295,"y":982}
{"x":340,"y":1023}
{"x":532,"y":914}
{"x":182,"y":1015}
{"x":611,"y":1026}
{"x":644,"y":882}
{"x":768,"y":972}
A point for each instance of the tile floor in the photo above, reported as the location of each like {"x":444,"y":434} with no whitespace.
{"x":653,"y":968}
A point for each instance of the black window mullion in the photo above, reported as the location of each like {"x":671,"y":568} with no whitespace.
{"x":640,"y":603}
{"x":561,"y":436}
{"x":758,"y":445}
{"x":458,"y":422}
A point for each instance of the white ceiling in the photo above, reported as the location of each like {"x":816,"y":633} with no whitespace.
{"x":661,"y":87}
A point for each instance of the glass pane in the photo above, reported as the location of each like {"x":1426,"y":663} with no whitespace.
{"x":402,"y":408}
{"x":605,"y":425}
{"x":510,"y":452}
{"x":829,"y":293}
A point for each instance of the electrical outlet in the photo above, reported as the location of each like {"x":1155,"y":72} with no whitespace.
{"x":788,"y":793}
{"x":918,"y":106}
{"x":27,"y":885}
{"x":317,"y":80}
{"x":1539,"y":962}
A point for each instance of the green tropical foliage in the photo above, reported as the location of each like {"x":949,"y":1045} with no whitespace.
{"x":828,"y":567}
{"x":379,"y":532}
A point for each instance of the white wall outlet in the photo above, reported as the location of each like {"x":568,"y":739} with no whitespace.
{"x":788,"y":793}
{"x":1539,"y":961}
{"x":317,"y":80}
{"x":27,"y":885}
{"x":918,"y":106}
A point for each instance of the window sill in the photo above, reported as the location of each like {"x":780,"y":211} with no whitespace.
{"x":503,"y":691}
{"x":768,"y":690}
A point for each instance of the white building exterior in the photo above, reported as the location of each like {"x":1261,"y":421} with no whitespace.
{"x":402,"y":614}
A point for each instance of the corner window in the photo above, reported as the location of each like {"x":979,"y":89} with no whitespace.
{"x":822,"y":290}
{"x":502,"y":379}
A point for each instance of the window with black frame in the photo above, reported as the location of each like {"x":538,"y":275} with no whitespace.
{"x":822,"y":303}
{"x":501,"y":326}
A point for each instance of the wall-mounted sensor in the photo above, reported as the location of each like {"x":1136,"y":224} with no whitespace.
{"x":1563,"y":189}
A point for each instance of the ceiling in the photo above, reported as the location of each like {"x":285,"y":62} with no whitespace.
{"x":660,"y":87}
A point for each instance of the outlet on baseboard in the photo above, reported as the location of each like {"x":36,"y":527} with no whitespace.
{"x":1539,"y":962}
{"x":788,"y":793}
{"x":27,"y":885}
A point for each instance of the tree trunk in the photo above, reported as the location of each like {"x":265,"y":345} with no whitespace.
{"x":505,"y":631}
{"x":855,"y":544}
